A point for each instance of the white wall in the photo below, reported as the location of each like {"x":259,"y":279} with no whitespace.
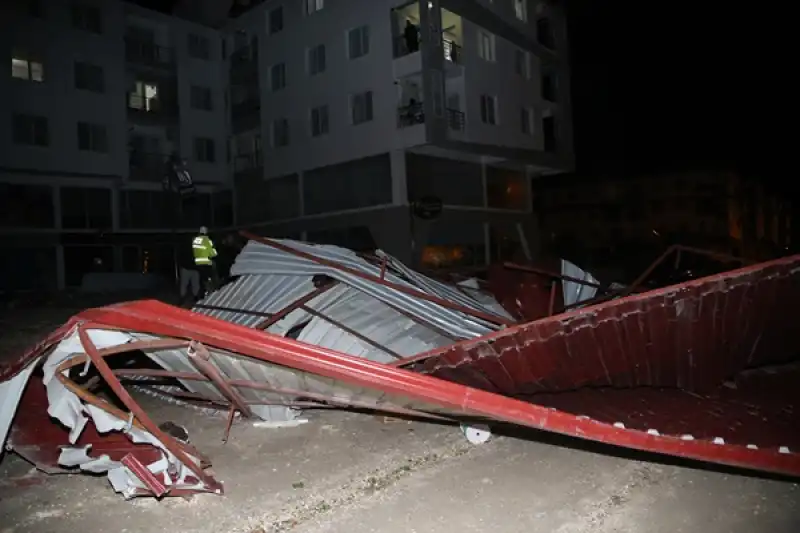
{"x":342,"y":78}
{"x":60,"y":45}
{"x":57,"y":98}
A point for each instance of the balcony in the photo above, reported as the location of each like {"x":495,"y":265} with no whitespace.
{"x":413,"y":114}
{"x":248,"y":165}
{"x":244,"y":64}
{"x":146,"y":166}
{"x":246,"y":115}
{"x":157,"y":110}
{"x":452,"y":50}
{"x":148,"y":54}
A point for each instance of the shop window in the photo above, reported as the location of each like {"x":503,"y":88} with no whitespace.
{"x":85,"y":208}
{"x":26,"y":206}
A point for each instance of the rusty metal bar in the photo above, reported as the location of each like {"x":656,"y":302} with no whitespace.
{"x":375,"y":279}
{"x":351,"y":331}
{"x":201,"y":359}
{"x":551,"y":307}
{"x":383,"y":267}
{"x":169,"y":442}
{"x":563,"y":277}
{"x":280,"y":315}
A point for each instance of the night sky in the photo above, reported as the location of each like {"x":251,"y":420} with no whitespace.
{"x":664,"y":85}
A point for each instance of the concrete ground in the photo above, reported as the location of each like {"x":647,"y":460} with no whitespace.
{"x":355,"y":473}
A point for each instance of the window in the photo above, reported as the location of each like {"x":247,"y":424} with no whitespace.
{"x":522,"y":63}
{"x":201,"y":98}
{"x":204,"y":150}
{"x":526,"y":121}
{"x":361,"y":107}
{"x":277,"y":76}
{"x":550,"y":134}
{"x":544,"y":33}
{"x":30,"y":130}
{"x":144,"y":97}
{"x":488,"y":109}
{"x":92,"y":137}
{"x":199,"y":47}
{"x":312,"y":6}
{"x":87,"y":17}
{"x":319,"y":121}
{"x":26,"y":206}
{"x":358,"y":42}
{"x":316,"y":59}
{"x":486,"y":45}
{"x":26,"y":69}
{"x":276,"y":20}
{"x":521,"y":9}
{"x":89,"y":77}
{"x":549,"y":86}
{"x":85,"y":208}
{"x":280,"y":132}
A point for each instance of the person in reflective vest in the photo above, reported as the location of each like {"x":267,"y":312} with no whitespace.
{"x":204,"y":254}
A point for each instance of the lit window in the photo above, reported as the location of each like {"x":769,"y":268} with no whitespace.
{"x":144,"y":97}
{"x":312,"y":6}
{"x":25,"y":69}
{"x":520,"y":9}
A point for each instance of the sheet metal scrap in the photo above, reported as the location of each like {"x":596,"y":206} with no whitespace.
{"x":667,"y":371}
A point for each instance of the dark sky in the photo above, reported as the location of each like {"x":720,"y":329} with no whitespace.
{"x":665,"y":84}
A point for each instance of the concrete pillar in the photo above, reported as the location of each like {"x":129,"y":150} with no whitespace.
{"x":399,"y":179}
{"x":483,"y":184}
{"x":300,"y":189}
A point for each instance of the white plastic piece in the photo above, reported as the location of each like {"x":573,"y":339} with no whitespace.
{"x":477,"y":434}
{"x":652,"y":432}
{"x":687,"y":437}
{"x":619,"y":425}
{"x":783,"y":449}
{"x":752,"y":447}
{"x":719,"y":440}
{"x":583,"y":417}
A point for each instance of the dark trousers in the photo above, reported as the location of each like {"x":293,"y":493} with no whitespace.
{"x":208,"y":277}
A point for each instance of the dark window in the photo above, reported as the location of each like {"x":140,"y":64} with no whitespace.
{"x":145,"y":210}
{"x":276,"y":20}
{"x":277,"y":76}
{"x":526,"y":121}
{"x":361,"y":107}
{"x":355,"y":184}
{"x":199,"y":47}
{"x":549,"y":86}
{"x":201,"y":98}
{"x":87,"y":17}
{"x":89,"y":77}
{"x":550,"y":135}
{"x":544,"y":33}
{"x":316,"y":59}
{"x":358,"y":42}
{"x":319,"y":121}
{"x":30,"y":130}
{"x":488,"y":109}
{"x":280,"y":132}
{"x":455,"y":182}
{"x":85,"y":208}
{"x":204,"y":150}
{"x":92,"y":137}
{"x":26,"y":206}
{"x":505,"y":189}
{"x":196,"y":211}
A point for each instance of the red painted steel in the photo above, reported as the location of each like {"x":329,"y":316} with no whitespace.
{"x":690,"y":337}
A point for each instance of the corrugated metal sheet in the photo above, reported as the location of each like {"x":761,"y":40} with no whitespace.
{"x":258,"y":260}
{"x":576,"y":292}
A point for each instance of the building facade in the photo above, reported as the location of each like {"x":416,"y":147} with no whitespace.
{"x":100,"y":94}
{"x":342,"y":121}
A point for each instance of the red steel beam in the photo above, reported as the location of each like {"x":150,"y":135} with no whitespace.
{"x":201,"y":359}
{"x":494,"y":319}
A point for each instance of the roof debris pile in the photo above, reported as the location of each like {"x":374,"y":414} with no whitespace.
{"x":701,"y":369}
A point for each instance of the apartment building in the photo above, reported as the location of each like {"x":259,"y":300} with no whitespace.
{"x":342,"y":122}
{"x":99,"y":93}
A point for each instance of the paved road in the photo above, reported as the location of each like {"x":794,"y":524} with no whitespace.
{"x":354,"y":473}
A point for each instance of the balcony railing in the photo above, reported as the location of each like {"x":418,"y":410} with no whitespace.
{"x":455,"y":119}
{"x":410,"y":115}
{"x":147,"y":166}
{"x":251,"y":106}
{"x":157,"y":108}
{"x":247,"y":162}
{"x":402,"y":47}
{"x":148,"y":53}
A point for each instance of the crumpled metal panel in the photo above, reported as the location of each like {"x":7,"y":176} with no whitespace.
{"x":257,"y":258}
{"x":669,"y":360}
{"x":576,"y":292}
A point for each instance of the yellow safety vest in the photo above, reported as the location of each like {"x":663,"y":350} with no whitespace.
{"x":203,"y":250}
